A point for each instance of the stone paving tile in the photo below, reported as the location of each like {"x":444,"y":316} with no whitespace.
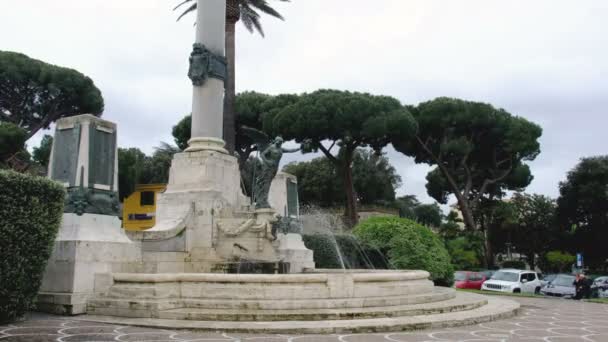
{"x":314,"y":338}
{"x":598,"y":338}
{"x":200,"y":335}
{"x":153,"y":336}
{"x":408,"y":337}
{"x":29,"y":338}
{"x":32,"y":330}
{"x":546,"y":320}
{"x":90,"y":329}
{"x":364,"y":338}
{"x":89,"y":337}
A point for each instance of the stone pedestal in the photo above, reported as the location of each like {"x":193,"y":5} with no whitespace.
{"x":85,"y":245}
{"x":283,"y":195}
{"x":293,"y":251}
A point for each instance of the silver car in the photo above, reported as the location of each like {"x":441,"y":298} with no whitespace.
{"x":561,"y":286}
{"x":600,"y":286}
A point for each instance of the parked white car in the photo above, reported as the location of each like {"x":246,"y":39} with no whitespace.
{"x":514,"y":281}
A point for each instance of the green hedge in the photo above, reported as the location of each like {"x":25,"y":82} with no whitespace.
{"x":354,"y":253}
{"x":517,"y":264}
{"x":410,"y":245}
{"x":30,"y":214}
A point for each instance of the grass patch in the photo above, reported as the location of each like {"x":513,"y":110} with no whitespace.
{"x":508,"y":294}
{"x":598,"y":300}
{"x":528,"y":295}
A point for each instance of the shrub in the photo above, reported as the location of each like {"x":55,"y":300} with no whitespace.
{"x":517,"y":264}
{"x":463,"y":253}
{"x":410,"y":246}
{"x":30,"y":214}
{"x":354,"y":253}
{"x":558,"y":261}
{"x":324,"y":249}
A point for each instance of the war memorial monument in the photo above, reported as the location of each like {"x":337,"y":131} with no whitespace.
{"x":184,"y":272}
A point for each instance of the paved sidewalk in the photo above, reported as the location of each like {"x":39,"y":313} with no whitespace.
{"x":551,"y":320}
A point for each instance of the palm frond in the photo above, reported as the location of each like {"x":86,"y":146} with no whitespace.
{"x":192,"y":8}
{"x":249,"y":12}
{"x":263,"y":6}
{"x":251,"y":19}
{"x":166,"y":148}
{"x":181,"y":4}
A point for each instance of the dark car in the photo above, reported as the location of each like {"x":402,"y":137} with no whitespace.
{"x":561,"y":286}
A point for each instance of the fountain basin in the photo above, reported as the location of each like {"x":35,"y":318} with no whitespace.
{"x":354,"y":300}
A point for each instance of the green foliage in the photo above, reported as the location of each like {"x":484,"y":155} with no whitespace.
{"x":409,"y":245}
{"x":318,"y":183}
{"x":450,"y":228}
{"x":375,"y":180}
{"x":12,"y":140}
{"x":558,"y":261}
{"x":531,"y":227}
{"x":406,"y":206}
{"x":479,"y":151}
{"x":42,"y":153}
{"x":324,"y":250}
{"x":583,"y":204}
{"x":30,"y":214}
{"x":346,"y":120}
{"x":428,"y":214}
{"x":249,"y":108}
{"x":425,"y":214}
{"x":517,"y":264}
{"x":156,"y":167}
{"x":182,"y":132}
{"x":134,"y":167}
{"x":465,"y":252}
{"x":328,"y":248}
{"x":130,"y":167}
{"x":33,"y":94}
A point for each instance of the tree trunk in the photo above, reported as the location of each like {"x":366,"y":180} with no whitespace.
{"x":466,"y":211}
{"x":532,"y":260}
{"x":351,"y":216}
{"x":488,"y":253}
{"x":229,"y":131}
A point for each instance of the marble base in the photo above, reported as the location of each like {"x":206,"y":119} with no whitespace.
{"x":85,"y":245}
{"x":293,"y":251}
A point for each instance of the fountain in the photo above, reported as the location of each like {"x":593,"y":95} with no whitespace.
{"x":178,"y":273}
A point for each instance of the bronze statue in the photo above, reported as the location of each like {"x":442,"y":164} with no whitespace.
{"x":270,"y":152}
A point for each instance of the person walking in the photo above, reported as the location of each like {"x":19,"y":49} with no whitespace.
{"x":578,"y":286}
{"x":582,"y":286}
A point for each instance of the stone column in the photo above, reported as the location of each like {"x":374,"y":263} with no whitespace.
{"x":207,"y":71}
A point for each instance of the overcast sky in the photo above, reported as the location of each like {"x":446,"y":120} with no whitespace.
{"x":545,"y":60}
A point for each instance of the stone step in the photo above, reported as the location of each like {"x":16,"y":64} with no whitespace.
{"x":150,"y":307}
{"x":142,"y":291}
{"x":135,"y":306}
{"x":496,"y":308}
{"x":439,"y":294}
{"x":451,"y":305}
{"x":275,"y":291}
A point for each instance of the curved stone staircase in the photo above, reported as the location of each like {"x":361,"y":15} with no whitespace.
{"x":296,"y":303}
